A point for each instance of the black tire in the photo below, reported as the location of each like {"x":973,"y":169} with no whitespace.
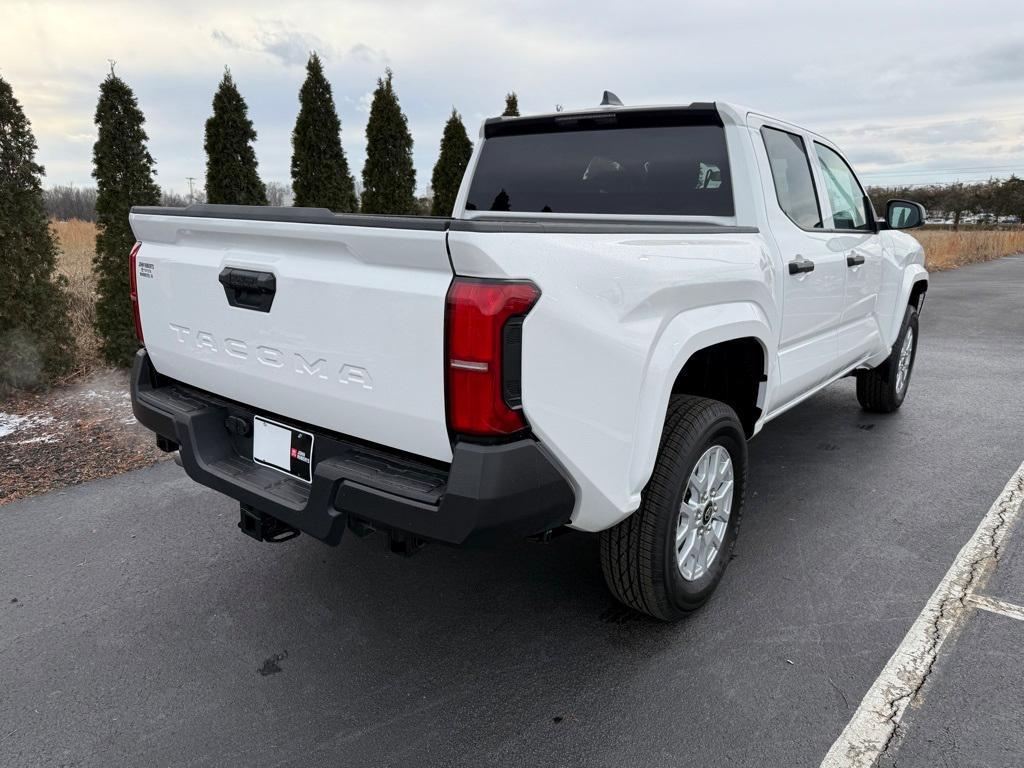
{"x":638,"y":556}
{"x":876,"y":389}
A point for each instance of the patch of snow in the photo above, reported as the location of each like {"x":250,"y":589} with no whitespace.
{"x":113,"y":398}
{"x":11,"y":423}
{"x":51,"y":438}
{"x":92,"y":394}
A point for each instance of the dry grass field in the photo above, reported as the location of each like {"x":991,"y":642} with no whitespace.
{"x":77,"y":243}
{"x":945,"y":249}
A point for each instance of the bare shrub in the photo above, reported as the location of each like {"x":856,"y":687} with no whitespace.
{"x":171,"y":199}
{"x":66,"y":201}
{"x":279,"y":194}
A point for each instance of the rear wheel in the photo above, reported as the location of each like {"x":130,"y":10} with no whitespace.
{"x":667,"y":557}
{"x":883,"y":389}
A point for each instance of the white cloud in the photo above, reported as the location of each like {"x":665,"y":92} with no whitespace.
{"x":277,"y":39}
{"x":364,"y":102}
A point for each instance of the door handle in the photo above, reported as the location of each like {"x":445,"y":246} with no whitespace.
{"x":800,"y":264}
{"x":855,"y":260}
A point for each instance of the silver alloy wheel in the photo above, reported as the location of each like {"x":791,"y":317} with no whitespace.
{"x":903,"y":364}
{"x":704,"y":513}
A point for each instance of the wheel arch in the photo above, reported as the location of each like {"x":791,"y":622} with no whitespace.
{"x":731,"y":372}
{"x":699,"y":336}
{"x":913,"y":285}
{"x":917,"y":292}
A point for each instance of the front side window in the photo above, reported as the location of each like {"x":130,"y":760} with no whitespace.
{"x":791,"y":172}
{"x":845,"y":194}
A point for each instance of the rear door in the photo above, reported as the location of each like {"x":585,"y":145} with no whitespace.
{"x":814,"y":273}
{"x":847,"y":215}
{"x":351,"y":338}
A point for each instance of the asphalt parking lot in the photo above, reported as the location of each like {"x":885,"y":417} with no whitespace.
{"x":139,"y":627}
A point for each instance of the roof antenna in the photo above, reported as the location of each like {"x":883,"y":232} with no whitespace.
{"x":611,"y":100}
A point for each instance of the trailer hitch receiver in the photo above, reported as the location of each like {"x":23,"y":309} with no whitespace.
{"x":263,"y":527}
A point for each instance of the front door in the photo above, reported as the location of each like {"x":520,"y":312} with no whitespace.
{"x":848,"y":215}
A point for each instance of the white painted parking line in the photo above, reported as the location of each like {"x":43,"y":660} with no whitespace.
{"x":875,"y":726}
{"x":997,"y":606}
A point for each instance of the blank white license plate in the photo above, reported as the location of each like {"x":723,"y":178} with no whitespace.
{"x":283,"y":448}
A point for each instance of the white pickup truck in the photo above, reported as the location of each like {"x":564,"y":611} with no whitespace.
{"x":620,"y":300}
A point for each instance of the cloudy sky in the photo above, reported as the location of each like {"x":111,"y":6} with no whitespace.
{"x":914,"y":91}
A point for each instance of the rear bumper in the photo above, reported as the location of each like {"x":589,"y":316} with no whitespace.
{"x":488,"y":493}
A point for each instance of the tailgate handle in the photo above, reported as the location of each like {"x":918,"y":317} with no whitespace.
{"x":248,"y":289}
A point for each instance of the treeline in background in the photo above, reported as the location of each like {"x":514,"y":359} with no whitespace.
{"x":992,"y":202}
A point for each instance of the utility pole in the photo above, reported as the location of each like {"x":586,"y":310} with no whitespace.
{"x":191,"y":195}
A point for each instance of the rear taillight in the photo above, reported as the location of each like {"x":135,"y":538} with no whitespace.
{"x":484,"y":335}
{"x":133,"y":291}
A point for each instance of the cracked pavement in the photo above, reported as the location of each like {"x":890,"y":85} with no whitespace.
{"x":904,"y":679}
{"x":139,"y":627}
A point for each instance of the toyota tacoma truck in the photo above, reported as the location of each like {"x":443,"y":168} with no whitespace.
{"x":620,"y":300}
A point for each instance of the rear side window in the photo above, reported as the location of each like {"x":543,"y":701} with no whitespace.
{"x":791,"y":172}
{"x":670,"y":170}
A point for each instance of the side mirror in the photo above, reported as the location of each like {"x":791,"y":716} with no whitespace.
{"x":904,"y":214}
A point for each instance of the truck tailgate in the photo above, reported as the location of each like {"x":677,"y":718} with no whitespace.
{"x":353,"y":340}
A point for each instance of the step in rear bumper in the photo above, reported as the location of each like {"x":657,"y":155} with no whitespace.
{"x":488,"y":493}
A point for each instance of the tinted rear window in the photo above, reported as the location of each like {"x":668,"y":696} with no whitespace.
{"x":673,"y":170}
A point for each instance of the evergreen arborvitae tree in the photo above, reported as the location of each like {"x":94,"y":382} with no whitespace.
{"x":389,"y":179}
{"x":34,"y":337}
{"x":320,"y":175}
{"x":451,"y":165}
{"x":511,"y":105}
{"x":123,"y":169}
{"x":231,"y":175}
